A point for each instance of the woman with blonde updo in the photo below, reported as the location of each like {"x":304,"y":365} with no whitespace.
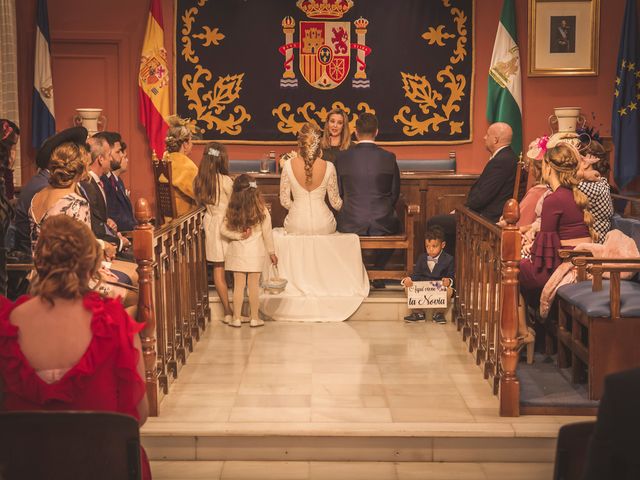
{"x":336,"y":136}
{"x":66,"y":347}
{"x":183,"y":170}
{"x":565,"y":222}
{"x":305,"y":181}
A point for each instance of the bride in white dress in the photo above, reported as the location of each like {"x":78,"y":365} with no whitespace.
{"x":327,"y":280}
{"x":309,"y":178}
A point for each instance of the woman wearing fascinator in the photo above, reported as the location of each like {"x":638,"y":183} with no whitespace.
{"x":212,"y":188}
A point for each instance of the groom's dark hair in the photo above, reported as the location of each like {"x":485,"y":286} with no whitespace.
{"x":367,"y":124}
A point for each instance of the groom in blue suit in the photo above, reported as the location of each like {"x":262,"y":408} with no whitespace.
{"x":369,"y":183}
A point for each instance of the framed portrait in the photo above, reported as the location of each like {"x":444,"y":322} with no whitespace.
{"x":563,"y":37}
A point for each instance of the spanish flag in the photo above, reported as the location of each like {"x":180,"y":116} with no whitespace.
{"x":153,"y":81}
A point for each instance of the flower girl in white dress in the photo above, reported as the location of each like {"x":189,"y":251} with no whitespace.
{"x":248,"y":226}
{"x":212,"y":188}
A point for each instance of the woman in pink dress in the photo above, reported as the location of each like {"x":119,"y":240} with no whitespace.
{"x":66,"y":347}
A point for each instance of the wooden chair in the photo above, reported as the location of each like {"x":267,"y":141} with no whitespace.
{"x":165,"y":195}
{"x":65,"y":445}
{"x":571,"y":450}
{"x":402,"y":241}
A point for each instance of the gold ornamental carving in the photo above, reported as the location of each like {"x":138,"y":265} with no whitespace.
{"x":292,"y":123}
{"x":437,"y":103}
{"x":215,"y":105}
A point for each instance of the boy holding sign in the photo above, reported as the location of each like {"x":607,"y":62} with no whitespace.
{"x":435,"y":265}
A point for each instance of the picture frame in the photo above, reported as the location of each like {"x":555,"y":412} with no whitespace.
{"x":564,"y":38}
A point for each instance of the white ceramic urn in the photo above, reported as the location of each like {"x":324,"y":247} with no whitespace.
{"x":566,"y":120}
{"x":91,"y":119}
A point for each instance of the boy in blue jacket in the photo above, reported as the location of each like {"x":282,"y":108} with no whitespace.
{"x":435,"y":264}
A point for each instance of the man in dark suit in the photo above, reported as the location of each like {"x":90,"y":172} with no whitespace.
{"x":369,"y":182}
{"x":93,"y":189}
{"x":118,"y":203}
{"x":494,"y":186}
{"x":614,"y":450}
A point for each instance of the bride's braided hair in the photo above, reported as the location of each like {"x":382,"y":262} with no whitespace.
{"x":309,"y":145}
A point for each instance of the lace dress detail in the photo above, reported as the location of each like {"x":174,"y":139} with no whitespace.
{"x":308,"y":211}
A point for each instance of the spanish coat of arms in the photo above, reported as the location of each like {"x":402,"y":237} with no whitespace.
{"x":324,"y":46}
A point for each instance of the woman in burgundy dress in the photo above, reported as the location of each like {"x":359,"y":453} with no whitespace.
{"x":67,"y":347}
{"x":565,"y":222}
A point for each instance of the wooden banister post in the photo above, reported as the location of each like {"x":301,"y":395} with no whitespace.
{"x":143,"y":253}
{"x":510,"y":260}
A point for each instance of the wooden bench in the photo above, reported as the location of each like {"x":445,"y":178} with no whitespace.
{"x":402,"y":241}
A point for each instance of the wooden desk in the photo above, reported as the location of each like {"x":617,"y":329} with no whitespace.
{"x":436,"y":193}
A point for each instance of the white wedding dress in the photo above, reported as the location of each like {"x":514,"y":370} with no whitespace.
{"x":326,"y":278}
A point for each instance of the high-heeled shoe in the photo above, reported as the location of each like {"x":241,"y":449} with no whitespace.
{"x":528,"y":341}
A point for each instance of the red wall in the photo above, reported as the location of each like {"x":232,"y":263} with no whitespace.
{"x":96,"y":45}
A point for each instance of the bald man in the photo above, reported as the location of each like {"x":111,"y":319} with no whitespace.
{"x":494,"y":186}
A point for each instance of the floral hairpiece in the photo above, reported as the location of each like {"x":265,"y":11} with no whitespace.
{"x":538,"y":148}
{"x":253,"y":184}
{"x":6,"y":130}
{"x":316,"y":142}
{"x":213,"y":151}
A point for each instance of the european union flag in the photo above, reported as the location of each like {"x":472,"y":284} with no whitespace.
{"x":625,"y":126}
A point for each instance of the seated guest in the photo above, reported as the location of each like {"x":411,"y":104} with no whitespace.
{"x":40,"y":180}
{"x":434,"y":265}
{"x":119,"y":207}
{"x":9,"y":136}
{"x":529,"y":211}
{"x":68,"y":166}
{"x":66,"y":347}
{"x":565,"y":222}
{"x":336,"y":136}
{"x":183,"y":170}
{"x":614,"y":446}
{"x":369,"y":182}
{"x":594,"y":172}
{"x":94,"y":190}
{"x":494,"y":186}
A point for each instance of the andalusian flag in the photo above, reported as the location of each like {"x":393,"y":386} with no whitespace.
{"x":153,"y":81}
{"x":504,"y":98}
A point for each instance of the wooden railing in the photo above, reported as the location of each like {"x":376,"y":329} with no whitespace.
{"x":487,"y":266}
{"x":174,"y":301}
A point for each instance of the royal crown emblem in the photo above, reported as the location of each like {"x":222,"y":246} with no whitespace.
{"x":325,"y":8}
{"x":324,"y":46}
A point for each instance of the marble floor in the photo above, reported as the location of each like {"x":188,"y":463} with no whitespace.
{"x":349,"y":471}
{"x":381,"y":372}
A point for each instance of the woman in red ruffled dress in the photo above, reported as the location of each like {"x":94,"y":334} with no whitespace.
{"x":66,"y":347}
{"x":565,"y":222}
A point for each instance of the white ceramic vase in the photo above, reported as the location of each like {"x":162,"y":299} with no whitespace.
{"x":91,"y":119}
{"x":566,"y":120}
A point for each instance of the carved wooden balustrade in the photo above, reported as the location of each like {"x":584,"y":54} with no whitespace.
{"x":174,"y":299}
{"x":487,"y":266}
